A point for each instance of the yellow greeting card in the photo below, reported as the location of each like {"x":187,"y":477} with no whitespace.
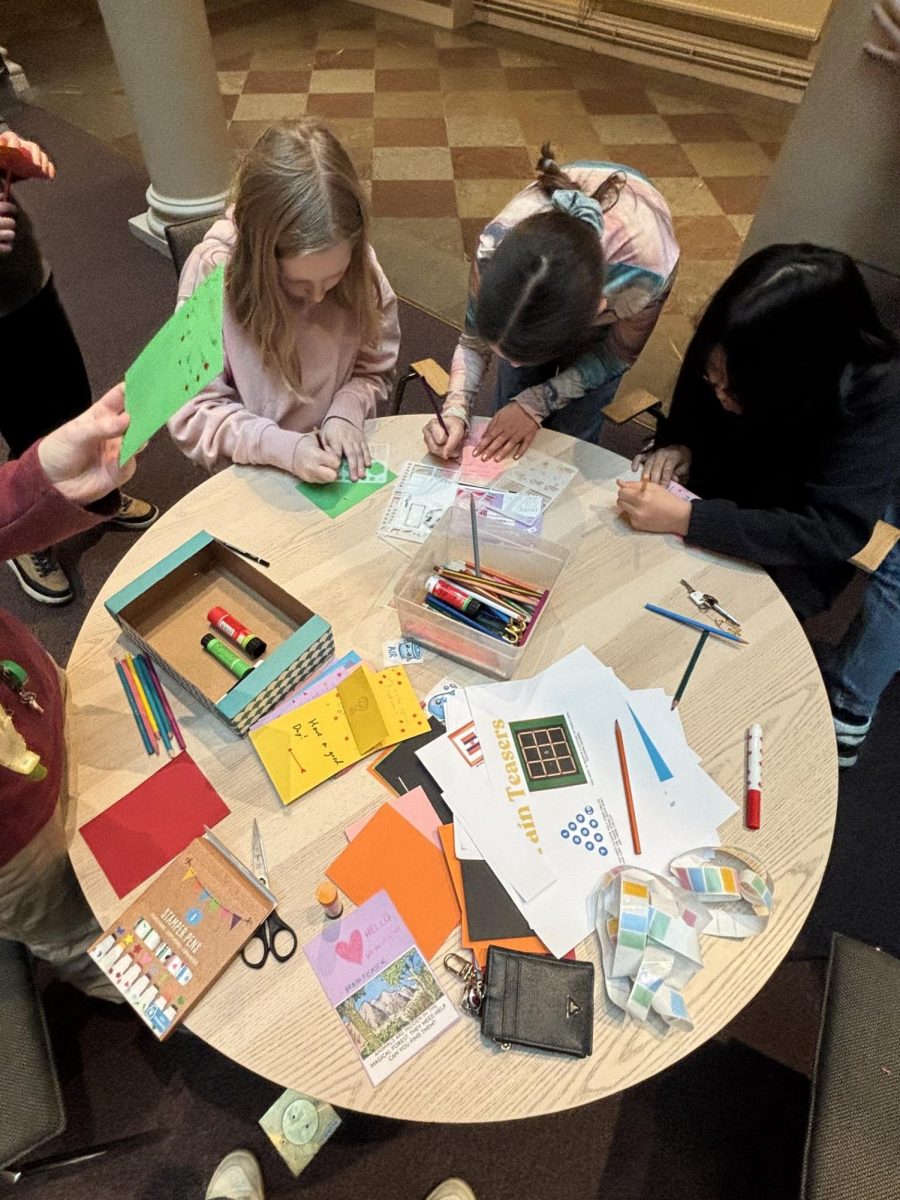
{"x":367,"y":711}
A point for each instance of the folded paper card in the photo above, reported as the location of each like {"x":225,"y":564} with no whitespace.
{"x":379,"y":984}
{"x":177,"y":363}
{"x":334,"y":499}
{"x":389,"y":853}
{"x":312,"y":743}
{"x":414,"y":807}
{"x":151,"y":824}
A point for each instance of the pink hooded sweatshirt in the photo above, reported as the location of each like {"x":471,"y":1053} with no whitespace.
{"x":249,"y":414}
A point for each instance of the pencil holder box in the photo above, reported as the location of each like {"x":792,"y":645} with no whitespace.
{"x":164,"y":610}
{"x":502,"y":548}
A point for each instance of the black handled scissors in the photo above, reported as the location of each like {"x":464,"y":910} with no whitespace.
{"x":273,"y":936}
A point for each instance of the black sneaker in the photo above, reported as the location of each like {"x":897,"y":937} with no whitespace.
{"x":134,"y":514}
{"x":41,"y":576}
{"x":850,"y":731}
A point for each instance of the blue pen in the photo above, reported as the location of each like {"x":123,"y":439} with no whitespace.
{"x":439,"y":606}
{"x":713,"y":629}
{"x":153,"y":700}
{"x":148,"y":745}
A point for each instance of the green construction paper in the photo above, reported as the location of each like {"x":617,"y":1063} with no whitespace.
{"x":334,"y":499}
{"x":176,"y":364}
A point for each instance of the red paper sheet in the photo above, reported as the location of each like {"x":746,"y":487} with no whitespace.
{"x":145,"y":829}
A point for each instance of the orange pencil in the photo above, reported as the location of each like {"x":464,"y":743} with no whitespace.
{"x":626,"y":782}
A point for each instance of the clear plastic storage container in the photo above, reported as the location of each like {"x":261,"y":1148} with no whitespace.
{"x":502,"y":548}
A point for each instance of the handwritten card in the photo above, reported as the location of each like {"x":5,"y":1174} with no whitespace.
{"x":177,"y":363}
{"x":312,"y":743}
{"x":380,"y":986}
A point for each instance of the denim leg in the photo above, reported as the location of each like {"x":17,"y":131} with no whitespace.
{"x":582,"y":418}
{"x":868,"y":657}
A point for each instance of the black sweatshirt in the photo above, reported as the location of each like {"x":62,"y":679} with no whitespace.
{"x":799,"y":502}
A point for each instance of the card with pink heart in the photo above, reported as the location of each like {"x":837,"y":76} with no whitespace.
{"x":380,"y":986}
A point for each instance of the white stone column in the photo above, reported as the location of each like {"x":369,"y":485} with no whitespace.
{"x":164,"y":57}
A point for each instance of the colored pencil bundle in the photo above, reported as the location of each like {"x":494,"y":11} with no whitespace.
{"x":149,"y":704}
{"x":488,"y":601}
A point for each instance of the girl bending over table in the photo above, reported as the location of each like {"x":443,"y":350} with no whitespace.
{"x":786,"y":420}
{"x":309,"y":329}
{"x":566,"y":286}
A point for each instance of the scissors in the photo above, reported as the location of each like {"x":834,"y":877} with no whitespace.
{"x":706,"y":602}
{"x":266,"y":938}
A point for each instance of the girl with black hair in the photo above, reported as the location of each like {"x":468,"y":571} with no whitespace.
{"x":786,"y":421}
{"x":566,"y":286}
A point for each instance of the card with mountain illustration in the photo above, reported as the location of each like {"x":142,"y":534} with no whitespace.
{"x":380,"y":986}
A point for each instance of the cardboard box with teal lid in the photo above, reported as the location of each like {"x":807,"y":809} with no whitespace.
{"x":165,"y":611}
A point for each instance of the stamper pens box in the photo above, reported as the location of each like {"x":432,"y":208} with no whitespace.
{"x":519,"y":554}
{"x":164,"y":610}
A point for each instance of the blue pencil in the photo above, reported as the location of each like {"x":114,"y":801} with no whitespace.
{"x":153,"y":700}
{"x":148,"y":745}
{"x":713,"y":629}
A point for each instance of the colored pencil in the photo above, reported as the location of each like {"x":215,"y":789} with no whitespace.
{"x":701,"y":625}
{"x":244,"y":553}
{"x":135,"y":711}
{"x":475,"y":551}
{"x":321,"y":444}
{"x":153,"y":700}
{"x":164,"y":699}
{"x":626,"y":783}
{"x":689,"y":670}
{"x":139,"y":692}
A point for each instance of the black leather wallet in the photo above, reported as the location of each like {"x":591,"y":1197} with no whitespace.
{"x":534,"y":1000}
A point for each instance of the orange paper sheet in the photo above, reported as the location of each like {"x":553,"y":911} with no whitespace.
{"x":531,"y":945}
{"x":389,"y":853}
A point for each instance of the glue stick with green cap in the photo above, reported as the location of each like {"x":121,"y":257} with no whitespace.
{"x":227,"y":657}
{"x":238,"y":633}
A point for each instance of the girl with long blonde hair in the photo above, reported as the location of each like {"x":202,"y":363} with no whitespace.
{"x":309,"y":328}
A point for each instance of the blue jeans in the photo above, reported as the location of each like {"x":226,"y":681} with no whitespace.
{"x":868,"y":658}
{"x":583,"y":418}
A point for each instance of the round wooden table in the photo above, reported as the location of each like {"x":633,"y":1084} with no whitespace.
{"x":277,"y":1022}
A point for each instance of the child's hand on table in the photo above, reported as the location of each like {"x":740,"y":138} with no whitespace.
{"x":313,"y":465}
{"x":509,"y":433}
{"x":650,"y":508}
{"x":445,"y":445}
{"x":344,"y":439}
{"x":663,"y":465}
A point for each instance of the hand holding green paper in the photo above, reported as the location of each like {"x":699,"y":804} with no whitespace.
{"x":176,"y":364}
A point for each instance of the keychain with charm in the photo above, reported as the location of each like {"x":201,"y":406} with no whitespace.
{"x":16,"y":678}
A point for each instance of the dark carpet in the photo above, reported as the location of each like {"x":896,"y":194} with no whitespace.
{"x":728,"y":1121}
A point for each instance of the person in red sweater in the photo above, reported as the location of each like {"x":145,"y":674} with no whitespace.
{"x":60,"y":486}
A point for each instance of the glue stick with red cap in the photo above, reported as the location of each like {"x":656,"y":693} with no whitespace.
{"x":754,"y":776}
{"x":222,"y":620}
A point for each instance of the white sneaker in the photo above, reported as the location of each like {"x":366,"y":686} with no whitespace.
{"x":237,"y":1177}
{"x":452,"y":1189}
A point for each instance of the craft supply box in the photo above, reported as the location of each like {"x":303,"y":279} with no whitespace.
{"x":164,"y":611}
{"x":502,"y":548}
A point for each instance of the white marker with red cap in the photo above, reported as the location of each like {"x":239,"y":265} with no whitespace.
{"x":754,"y":776}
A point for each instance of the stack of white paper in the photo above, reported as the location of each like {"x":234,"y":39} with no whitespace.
{"x":531,"y":773}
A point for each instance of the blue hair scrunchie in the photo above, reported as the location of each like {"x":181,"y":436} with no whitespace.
{"x":577,"y":204}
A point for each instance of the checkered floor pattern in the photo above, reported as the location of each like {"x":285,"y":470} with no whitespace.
{"x":445,"y":127}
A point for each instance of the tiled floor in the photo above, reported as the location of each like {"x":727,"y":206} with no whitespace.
{"x":446,"y":127}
